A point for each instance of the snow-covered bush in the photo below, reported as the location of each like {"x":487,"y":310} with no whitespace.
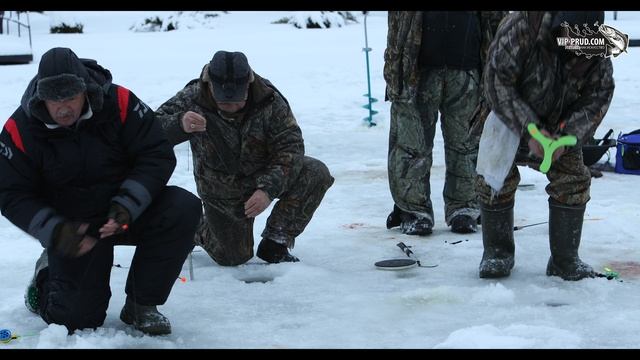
{"x":318,"y":19}
{"x":64,"y":23}
{"x":63,"y":28}
{"x":177,"y":20}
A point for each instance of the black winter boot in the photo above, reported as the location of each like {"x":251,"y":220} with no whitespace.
{"x":414,"y":225}
{"x":393,"y":219}
{"x":145,"y":318}
{"x":565,"y":230}
{"x":497,"y":239}
{"x":464,"y":224}
{"x":273,"y":252}
{"x":410,"y":224}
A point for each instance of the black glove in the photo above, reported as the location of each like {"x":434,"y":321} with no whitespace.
{"x":67,"y":237}
{"x":121,"y":215}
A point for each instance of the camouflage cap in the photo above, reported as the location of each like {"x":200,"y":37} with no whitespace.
{"x":230,"y":75}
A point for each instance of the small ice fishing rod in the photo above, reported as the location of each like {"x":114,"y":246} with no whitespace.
{"x":410,"y":254}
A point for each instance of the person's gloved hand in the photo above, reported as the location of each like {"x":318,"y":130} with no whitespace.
{"x":120,"y":214}
{"x":118,"y":221}
{"x":70,"y":239}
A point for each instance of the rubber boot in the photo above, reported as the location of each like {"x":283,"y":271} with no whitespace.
{"x":565,"y":230}
{"x":497,"y":239}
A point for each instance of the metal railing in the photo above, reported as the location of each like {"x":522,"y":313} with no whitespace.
{"x":7,"y":21}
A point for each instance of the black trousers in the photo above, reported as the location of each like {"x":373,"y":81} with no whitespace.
{"x":75,"y":292}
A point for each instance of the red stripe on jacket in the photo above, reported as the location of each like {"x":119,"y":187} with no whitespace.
{"x":123,"y":103}
{"x":12,"y":129}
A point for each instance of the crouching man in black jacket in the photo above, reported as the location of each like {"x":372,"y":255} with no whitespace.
{"x":84,"y":167}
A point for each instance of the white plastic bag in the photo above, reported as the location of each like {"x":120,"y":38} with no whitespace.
{"x":497,"y":151}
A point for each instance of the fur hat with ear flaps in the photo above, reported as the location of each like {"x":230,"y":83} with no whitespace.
{"x":61,"y":75}
{"x":60,"y":87}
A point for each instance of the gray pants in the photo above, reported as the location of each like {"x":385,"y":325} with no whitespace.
{"x":226,"y":234}
{"x":413,"y":125}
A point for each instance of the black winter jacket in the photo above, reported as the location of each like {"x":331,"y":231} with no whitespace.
{"x":54,"y":174}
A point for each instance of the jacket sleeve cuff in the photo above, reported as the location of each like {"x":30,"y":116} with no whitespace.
{"x":43,"y":225}
{"x":134,"y":197}
{"x":174,"y":131}
{"x":271,"y":191}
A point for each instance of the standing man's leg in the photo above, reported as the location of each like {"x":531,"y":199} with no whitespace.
{"x":498,"y":257}
{"x":410,"y":154}
{"x":294,"y":210}
{"x":460,"y":99}
{"x":568,"y":189}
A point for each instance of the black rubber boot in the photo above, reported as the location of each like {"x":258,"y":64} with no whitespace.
{"x":497,"y":239}
{"x":145,"y":318}
{"x":565,"y":230}
{"x":273,"y":252}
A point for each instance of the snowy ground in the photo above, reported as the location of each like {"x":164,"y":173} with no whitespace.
{"x":335,"y":297}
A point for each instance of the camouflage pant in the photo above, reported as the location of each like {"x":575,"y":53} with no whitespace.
{"x":569,"y":182}
{"x":413,"y":125}
{"x":226,"y":234}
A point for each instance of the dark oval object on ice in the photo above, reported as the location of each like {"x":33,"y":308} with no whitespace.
{"x":396,"y":264}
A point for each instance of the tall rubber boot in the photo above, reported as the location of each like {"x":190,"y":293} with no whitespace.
{"x":497,"y":239}
{"x":565,"y":230}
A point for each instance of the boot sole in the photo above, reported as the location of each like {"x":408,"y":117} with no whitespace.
{"x":493,"y":275}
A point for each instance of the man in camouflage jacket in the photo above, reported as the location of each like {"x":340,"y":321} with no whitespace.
{"x":529,"y":78}
{"x":433,"y":62}
{"x":247,"y":151}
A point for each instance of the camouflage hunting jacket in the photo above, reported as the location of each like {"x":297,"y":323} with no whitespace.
{"x":263,"y":145}
{"x":401,"y":71}
{"x":526,"y":80}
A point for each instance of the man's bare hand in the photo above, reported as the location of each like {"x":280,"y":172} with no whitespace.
{"x":193,"y":122}
{"x":257,"y":203}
